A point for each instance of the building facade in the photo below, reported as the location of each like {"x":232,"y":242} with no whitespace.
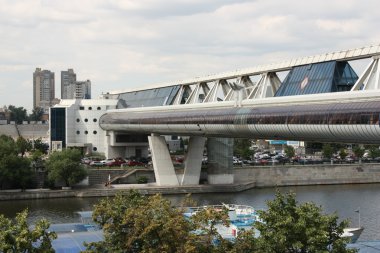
{"x":43,"y":89}
{"x":75,"y":123}
{"x":82,"y":90}
{"x":68,"y":79}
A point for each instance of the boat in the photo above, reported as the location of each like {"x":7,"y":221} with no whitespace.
{"x":241,"y":217}
{"x":352,"y":233}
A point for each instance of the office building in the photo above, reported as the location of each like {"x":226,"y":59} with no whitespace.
{"x":43,"y":89}
{"x":68,"y":79}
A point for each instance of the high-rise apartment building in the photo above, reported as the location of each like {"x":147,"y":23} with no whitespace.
{"x":83,"y":89}
{"x":78,"y":90}
{"x":43,"y":89}
{"x":68,"y":79}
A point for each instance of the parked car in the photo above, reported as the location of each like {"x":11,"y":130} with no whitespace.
{"x":237,"y":161}
{"x":116,"y":162}
{"x":96,"y":163}
{"x":261,"y":161}
{"x":86,"y":160}
{"x":135,"y":163}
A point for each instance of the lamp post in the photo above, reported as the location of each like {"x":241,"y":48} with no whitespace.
{"x":358,"y":211}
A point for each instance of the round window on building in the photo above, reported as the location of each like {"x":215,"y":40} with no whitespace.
{"x":99,"y":108}
{"x":94,"y":148}
{"x":85,"y":120}
{"x":95,"y":132}
{"x":90,"y":108}
{"x":95,"y":120}
{"x":78,"y":120}
{"x":86,"y":132}
{"x":78,"y":132}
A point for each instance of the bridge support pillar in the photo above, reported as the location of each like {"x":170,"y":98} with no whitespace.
{"x":162,"y":163}
{"x":193,"y":162}
{"x":220,"y":167}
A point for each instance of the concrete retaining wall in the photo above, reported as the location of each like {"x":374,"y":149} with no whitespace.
{"x":245,"y":178}
{"x":309,"y":175}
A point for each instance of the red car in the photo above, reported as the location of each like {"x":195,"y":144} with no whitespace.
{"x":135,"y":163}
{"x":116,"y":162}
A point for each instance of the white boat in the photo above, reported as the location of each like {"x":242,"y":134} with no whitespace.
{"x":240,"y":216}
{"x":352,"y":233}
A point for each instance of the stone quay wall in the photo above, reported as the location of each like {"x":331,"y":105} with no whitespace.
{"x":271,"y":176}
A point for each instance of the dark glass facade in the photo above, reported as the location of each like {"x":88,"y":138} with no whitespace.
{"x":120,"y":138}
{"x":145,"y":98}
{"x":318,"y":78}
{"x":58,"y":125}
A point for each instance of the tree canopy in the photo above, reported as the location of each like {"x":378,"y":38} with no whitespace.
{"x":15,"y":170}
{"x":289,"y":151}
{"x":136,"y":223}
{"x":242,"y":148}
{"x":36,"y":114}
{"x":289,"y":227}
{"x":18,"y":114}
{"x":17,"y":237}
{"x":65,"y":166}
{"x":327,"y":151}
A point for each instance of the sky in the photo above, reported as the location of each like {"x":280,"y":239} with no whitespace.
{"x":121,"y":44}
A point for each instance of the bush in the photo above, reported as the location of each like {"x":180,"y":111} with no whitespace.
{"x":142,"y":180}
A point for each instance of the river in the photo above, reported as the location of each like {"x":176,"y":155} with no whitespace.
{"x":343,"y":199}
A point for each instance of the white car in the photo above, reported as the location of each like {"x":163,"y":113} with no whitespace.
{"x":107,"y":161}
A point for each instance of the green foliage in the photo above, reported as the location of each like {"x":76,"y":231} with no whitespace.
{"x":17,"y":237}
{"x":18,"y":114}
{"x":359,"y":151}
{"x":289,"y":151}
{"x":23,"y":145}
{"x":38,"y":144}
{"x":37,"y":114}
{"x":65,"y":166}
{"x":142,"y":180}
{"x":242,"y":148}
{"x":373,"y":151}
{"x":327,"y":151}
{"x":292,"y":228}
{"x":136,"y":223}
{"x":15,"y":171}
{"x":342,"y":153}
{"x":205,"y":222}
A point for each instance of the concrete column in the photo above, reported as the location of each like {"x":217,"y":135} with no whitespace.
{"x":193,"y":162}
{"x":162,"y":163}
{"x":220,"y":167}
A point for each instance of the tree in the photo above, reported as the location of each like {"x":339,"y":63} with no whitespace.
{"x":22,"y":145}
{"x":36,"y":114}
{"x":137,"y":223}
{"x":205,"y":222}
{"x":65,"y":166}
{"x":342,"y":153}
{"x":359,"y":152}
{"x":15,"y":171}
{"x":38,"y":144}
{"x":374,"y":151}
{"x":289,"y":227}
{"x":327,"y":151}
{"x":289,"y":151}
{"x":17,"y":236}
{"x":18,"y":114}
{"x":242,"y":148}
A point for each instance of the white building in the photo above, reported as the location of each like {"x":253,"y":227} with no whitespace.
{"x":75,"y":123}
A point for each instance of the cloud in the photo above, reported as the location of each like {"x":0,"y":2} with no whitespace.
{"x":125,"y":43}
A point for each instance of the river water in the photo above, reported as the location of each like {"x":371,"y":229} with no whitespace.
{"x":343,"y":199}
